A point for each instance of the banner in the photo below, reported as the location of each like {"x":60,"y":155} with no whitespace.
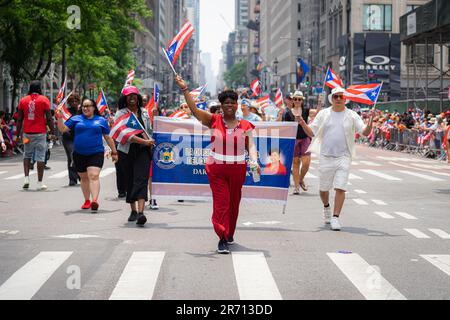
{"x":183,"y":146}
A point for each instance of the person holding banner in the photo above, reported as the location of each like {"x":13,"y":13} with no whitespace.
{"x":88,"y":155}
{"x":226,"y":167}
{"x":135,"y":154}
{"x":334,"y":131}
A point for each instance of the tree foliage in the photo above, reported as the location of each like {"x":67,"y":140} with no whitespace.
{"x":237,"y":75}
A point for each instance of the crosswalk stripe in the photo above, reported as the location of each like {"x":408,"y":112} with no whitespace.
{"x":138,"y":279}
{"x":361,"y":202}
{"x":440,"y":261}
{"x":406,"y":216}
{"x":380,"y":175}
{"x":253,"y":277}
{"x":360,"y":191}
{"x":352,"y":176}
{"x":3,"y":172}
{"x":379,"y":202}
{"x":20,"y":176}
{"x":310,"y":176}
{"x":421,"y":169}
{"x":425,"y":166}
{"x":417,"y":233}
{"x":106,"y":172}
{"x":367,"y":279}
{"x":384,"y":215}
{"x":354,"y":163}
{"x":60,"y":175}
{"x":25,"y":282}
{"x":419,"y":175}
{"x":440,"y":233}
{"x":370,"y":163}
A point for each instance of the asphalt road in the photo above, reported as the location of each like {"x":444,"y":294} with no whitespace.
{"x":395,"y":241}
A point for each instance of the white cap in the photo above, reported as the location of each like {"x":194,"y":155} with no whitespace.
{"x":298,"y":94}
{"x":335,"y":91}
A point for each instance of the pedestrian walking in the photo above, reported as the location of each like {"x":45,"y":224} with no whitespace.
{"x":73,"y":103}
{"x":334,"y":131}
{"x":34,"y":116}
{"x":135,"y":154}
{"x":89,"y":153}
{"x":226,"y":167}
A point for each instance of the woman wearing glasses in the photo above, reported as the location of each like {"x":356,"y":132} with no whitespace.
{"x":89,"y":128}
{"x":334,"y":131}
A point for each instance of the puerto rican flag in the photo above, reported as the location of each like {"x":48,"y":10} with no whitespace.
{"x":130,"y":78}
{"x":102,"y":103}
{"x":65,"y":114}
{"x":364,"y":93}
{"x":201,"y":105}
{"x":332,"y":80}
{"x":60,"y":95}
{"x":279,"y":98}
{"x":153,"y":104}
{"x":179,"y":41}
{"x":197,"y":93}
{"x":125,"y":127}
{"x":179,"y":115}
{"x":264,"y":102}
{"x":256,"y":87}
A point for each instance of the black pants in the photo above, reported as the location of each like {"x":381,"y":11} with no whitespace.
{"x":121,"y":178}
{"x":136,"y":166}
{"x":68,"y":147}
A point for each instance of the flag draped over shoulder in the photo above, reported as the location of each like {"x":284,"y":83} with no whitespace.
{"x":125,"y":127}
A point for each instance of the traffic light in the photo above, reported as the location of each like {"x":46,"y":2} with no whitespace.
{"x":307,"y":82}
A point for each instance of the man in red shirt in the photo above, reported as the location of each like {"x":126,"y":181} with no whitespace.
{"x":34,"y":118}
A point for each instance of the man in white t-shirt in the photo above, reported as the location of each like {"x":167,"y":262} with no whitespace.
{"x":246,"y":114}
{"x":334,"y":131}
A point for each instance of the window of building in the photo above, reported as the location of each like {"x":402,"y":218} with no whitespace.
{"x":299,"y":7}
{"x":323,"y":30}
{"x":377,"y":17}
{"x":299,"y":42}
{"x":322,"y":6}
{"x":299,"y":25}
{"x":420,"y":54}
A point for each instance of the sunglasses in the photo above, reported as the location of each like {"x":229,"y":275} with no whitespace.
{"x":297,"y":99}
{"x":87,"y":105}
{"x":338,"y":97}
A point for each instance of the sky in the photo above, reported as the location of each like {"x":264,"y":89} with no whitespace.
{"x":213,"y":29}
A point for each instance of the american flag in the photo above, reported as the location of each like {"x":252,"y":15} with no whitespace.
{"x":279,"y":98}
{"x":179,"y":41}
{"x":60,"y":95}
{"x":179,"y":115}
{"x":256,"y":87}
{"x":332,"y":80}
{"x":125,"y":127}
{"x":197,"y":93}
{"x":102,"y":103}
{"x":364,"y":93}
{"x":130,"y":78}
{"x":264,"y":102}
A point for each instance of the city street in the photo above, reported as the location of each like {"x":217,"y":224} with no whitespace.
{"x":394,"y":244}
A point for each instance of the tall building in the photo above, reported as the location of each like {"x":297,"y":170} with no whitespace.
{"x":241,"y":32}
{"x":210,"y":77}
{"x":193,"y":49}
{"x":253,"y":39}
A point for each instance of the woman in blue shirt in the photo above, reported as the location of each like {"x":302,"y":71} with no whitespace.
{"x":88,"y":154}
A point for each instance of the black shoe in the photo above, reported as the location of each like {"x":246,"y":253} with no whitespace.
{"x":32,"y":167}
{"x":122,"y":195}
{"x":180,"y":201}
{"x":141,"y":220}
{"x":72,"y":183}
{"x":230,"y":240}
{"x":47,"y":168}
{"x":133,"y":216}
{"x":223,"y":247}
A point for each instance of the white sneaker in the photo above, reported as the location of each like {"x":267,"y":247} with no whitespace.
{"x":153,"y":205}
{"x":26,"y":183}
{"x":335,"y":225}
{"x":327,"y":215}
{"x":41,"y":187}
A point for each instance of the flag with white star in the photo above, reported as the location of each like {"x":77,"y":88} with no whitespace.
{"x":126,"y":127}
{"x":364,"y":93}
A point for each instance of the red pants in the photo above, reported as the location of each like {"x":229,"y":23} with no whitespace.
{"x":226,"y":182}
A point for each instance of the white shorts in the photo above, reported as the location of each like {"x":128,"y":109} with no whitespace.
{"x":334,"y":172}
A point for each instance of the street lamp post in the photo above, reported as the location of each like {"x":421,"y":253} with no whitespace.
{"x":275,"y":69}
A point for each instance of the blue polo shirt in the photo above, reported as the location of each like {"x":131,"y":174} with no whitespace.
{"x":88,"y":134}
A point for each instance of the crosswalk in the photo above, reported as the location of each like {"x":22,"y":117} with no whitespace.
{"x":252,"y":273}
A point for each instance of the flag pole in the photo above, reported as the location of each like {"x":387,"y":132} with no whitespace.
{"x":59,"y":107}
{"x":376,"y":101}
{"x":106,"y":100}
{"x":170,"y":63}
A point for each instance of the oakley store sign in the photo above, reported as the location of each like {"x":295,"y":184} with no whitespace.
{"x":378,"y":62}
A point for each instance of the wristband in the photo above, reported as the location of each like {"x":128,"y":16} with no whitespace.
{"x":114,"y":153}
{"x":185,"y":89}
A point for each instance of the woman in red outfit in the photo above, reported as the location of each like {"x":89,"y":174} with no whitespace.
{"x":226,"y":167}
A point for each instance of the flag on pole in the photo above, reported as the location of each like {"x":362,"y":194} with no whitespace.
{"x":102,"y":103}
{"x":202,"y":105}
{"x":364,"y":93}
{"x":153,"y":104}
{"x":197,"y":93}
{"x":65,"y":114}
{"x":125,"y":127}
{"x":179,"y":41}
{"x":60,"y":95}
{"x":259,"y":66}
{"x":279,"y":98}
{"x":179,"y":115}
{"x":264,"y":102}
{"x":130,"y":78}
{"x":332,"y":80}
{"x":302,"y":70}
{"x":255,"y":86}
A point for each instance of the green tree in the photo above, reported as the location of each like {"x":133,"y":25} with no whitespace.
{"x":237,"y":75}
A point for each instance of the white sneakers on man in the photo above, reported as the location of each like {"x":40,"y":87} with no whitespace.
{"x":335,"y":224}
{"x":327,"y":214}
{"x":41,"y":186}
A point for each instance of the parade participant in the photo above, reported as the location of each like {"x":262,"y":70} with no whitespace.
{"x":246,"y":114}
{"x":301,"y":155}
{"x":226,"y":167}
{"x":334,"y":131}
{"x":135,"y":155}
{"x":2,"y":142}
{"x":73,"y":103}
{"x":34,"y":117}
{"x":89,"y":128}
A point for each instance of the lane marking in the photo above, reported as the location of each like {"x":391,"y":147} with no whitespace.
{"x":27,"y":281}
{"x":138,"y":279}
{"x":406,"y":215}
{"x":424,"y":170}
{"x":106,"y":172}
{"x":441,"y":261}
{"x":440,"y":233}
{"x":3,"y":172}
{"x":76,"y":236}
{"x":20,"y":176}
{"x":253,"y":277}
{"x":354,"y":163}
{"x":60,"y":175}
{"x":419,"y":175}
{"x":417,"y":233}
{"x":13,"y":232}
{"x":352,"y":176}
{"x":366,"y":278}
{"x":361,"y":202}
{"x":370,"y":163}
{"x":310,"y":176}
{"x":379,"y":202}
{"x":360,"y":191}
{"x":380,"y":175}
{"x":384,"y":215}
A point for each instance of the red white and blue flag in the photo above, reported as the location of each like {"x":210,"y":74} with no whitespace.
{"x":65,"y":114}
{"x":60,"y":95}
{"x":197,"y":93}
{"x":332,"y":80}
{"x":153,"y":104}
{"x":179,"y":115}
{"x":102,"y":103}
{"x":279,"y":98}
{"x":264,"y":102}
{"x":125,"y":127}
{"x":255,"y":86}
{"x":364,"y":93}
{"x":179,"y":41}
{"x":130,"y":78}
